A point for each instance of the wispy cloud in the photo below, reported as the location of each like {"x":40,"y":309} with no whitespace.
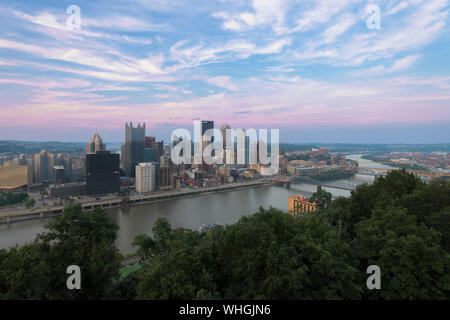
{"x":270,"y":62}
{"x":223,"y":82}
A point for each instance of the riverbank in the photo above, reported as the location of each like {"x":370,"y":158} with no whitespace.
{"x":375,"y":158}
{"x":118,"y":201}
{"x":333,"y":175}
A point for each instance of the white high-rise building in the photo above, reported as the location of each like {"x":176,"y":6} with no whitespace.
{"x":145,"y":177}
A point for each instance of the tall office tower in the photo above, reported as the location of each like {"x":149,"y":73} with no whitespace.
{"x":247,"y":150}
{"x":163,"y":178}
{"x":133,"y":150}
{"x":151,"y":153}
{"x":30,"y":164}
{"x":95,"y":144}
{"x":43,"y":164}
{"x":78,"y":168}
{"x":206,"y":125}
{"x":67,"y":163}
{"x":228,"y":144}
{"x":145,"y":177}
{"x":261,"y":146}
{"x":153,"y":149}
{"x":225,"y":138}
{"x":102,"y":173}
{"x":149,"y":141}
{"x":59,"y":174}
{"x":165,"y":161}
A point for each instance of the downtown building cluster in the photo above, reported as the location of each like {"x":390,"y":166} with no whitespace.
{"x":143,"y":165}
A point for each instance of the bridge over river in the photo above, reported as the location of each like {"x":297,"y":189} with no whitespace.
{"x":287,"y":181}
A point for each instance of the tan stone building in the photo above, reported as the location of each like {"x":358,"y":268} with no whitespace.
{"x":15,"y":176}
{"x":298,"y":205}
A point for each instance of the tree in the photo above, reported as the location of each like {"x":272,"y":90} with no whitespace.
{"x":25,"y":273}
{"x":87,"y":240}
{"x":413,"y":264}
{"x":148,"y":246}
{"x":385,"y":191}
{"x":338,"y":214}
{"x":430,"y":204}
{"x":440,"y":221}
{"x":38,"y":270}
{"x":29,"y":202}
{"x":268,"y":255}
{"x":322,"y":198}
{"x":10,"y":198}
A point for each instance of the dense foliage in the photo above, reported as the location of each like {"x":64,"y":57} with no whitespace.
{"x":398,"y":223}
{"x":38,"y":270}
{"x":322,"y":198}
{"x":10,"y":198}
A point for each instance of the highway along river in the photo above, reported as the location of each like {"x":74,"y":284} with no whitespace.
{"x":222,"y":208}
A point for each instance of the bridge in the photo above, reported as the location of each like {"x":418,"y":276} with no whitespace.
{"x":287,"y":181}
{"x":282,"y":182}
{"x":423,"y":173}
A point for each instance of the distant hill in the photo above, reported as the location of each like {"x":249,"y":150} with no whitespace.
{"x":30,"y":147}
{"x":369,"y":148}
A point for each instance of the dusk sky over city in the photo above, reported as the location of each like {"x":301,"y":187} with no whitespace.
{"x":313,"y":69}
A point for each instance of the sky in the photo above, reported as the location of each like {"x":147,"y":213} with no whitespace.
{"x":348,"y":71}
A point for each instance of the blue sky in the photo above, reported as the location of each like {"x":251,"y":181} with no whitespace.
{"x":313,"y":69}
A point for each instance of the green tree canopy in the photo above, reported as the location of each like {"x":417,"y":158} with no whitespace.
{"x":38,"y":270}
{"x":322,"y":198}
{"x":269,"y":255}
{"x":412,"y":262}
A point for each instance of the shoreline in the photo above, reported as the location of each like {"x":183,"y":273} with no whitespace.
{"x":117,"y":201}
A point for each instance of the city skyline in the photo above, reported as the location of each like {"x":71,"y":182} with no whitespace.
{"x":314,"y":70}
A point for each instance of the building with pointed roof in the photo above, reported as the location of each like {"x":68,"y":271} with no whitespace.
{"x":95,"y":144}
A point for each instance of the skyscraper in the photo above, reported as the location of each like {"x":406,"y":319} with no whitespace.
{"x":133,"y":150}
{"x":145,"y":177}
{"x":102,"y":173}
{"x":228,"y":145}
{"x":153,"y":149}
{"x":95,"y":144}
{"x":43,"y":164}
{"x":206,"y":125}
{"x":59,"y":174}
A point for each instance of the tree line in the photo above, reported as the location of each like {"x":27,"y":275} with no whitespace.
{"x":10,"y":198}
{"x":398,"y":223}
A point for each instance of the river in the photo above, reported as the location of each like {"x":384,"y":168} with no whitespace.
{"x":222,"y":208}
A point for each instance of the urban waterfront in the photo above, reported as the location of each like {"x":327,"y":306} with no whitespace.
{"x":222,"y":208}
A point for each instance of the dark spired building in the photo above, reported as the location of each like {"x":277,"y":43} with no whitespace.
{"x":102,"y":173}
{"x":133,"y":150}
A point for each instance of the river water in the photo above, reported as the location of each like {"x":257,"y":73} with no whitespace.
{"x":222,"y":208}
